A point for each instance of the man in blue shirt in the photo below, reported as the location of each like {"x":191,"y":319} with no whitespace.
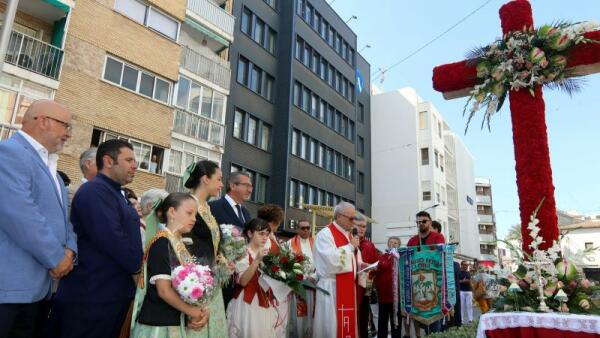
{"x":93,"y":300}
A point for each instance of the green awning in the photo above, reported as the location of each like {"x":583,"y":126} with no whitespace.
{"x":206,"y":31}
{"x":59,"y":4}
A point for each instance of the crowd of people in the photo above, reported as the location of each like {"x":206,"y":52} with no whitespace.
{"x":94,"y":260}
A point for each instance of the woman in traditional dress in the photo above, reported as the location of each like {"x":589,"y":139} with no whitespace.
{"x":253,"y":311}
{"x":159,"y":311}
{"x":273,"y":214}
{"x":203,"y":178}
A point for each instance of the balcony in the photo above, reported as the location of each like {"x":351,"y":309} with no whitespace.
{"x":487,"y":238}
{"x":206,"y":68}
{"x":216,"y":18}
{"x":174,"y":183}
{"x":34,"y":55}
{"x":488,"y":257}
{"x":482,"y":199}
{"x":485,"y":218}
{"x":199,"y":128}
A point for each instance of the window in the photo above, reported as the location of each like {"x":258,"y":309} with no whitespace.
{"x":255,"y":78}
{"x":313,"y":151}
{"x":260,"y":188}
{"x":259,"y":31}
{"x":292,"y":195}
{"x":206,"y":102}
{"x":295,"y":138}
{"x":149,"y":16}
{"x":128,"y":76}
{"x":193,"y":97}
{"x":149,"y":157}
{"x":246,"y":21}
{"x":436,"y":158}
{"x":423,"y":120}
{"x":265,"y":137}
{"x":424,"y":156}
{"x":426,"y":188}
{"x":360,"y":185}
{"x":238,"y":122}
{"x":361,"y":147}
{"x":272,"y":3}
{"x":361,"y":113}
{"x":439,"y":129}
{"x":589,"y":245}
{"x":303,"y":146}
{"x":442,"y":163}
{"x":251,"y":135}
{"x":297,"y":94}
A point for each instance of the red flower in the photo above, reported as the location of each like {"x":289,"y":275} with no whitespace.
{"x":299,"y":258}
{"x":299,"y":277}
{"x":274,"y":268}
{"x":284,"y":260}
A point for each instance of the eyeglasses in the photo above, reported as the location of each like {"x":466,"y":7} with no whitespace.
{"x":248,"y":185}
{"x":424,"y":221}
{"x":304,"y":228}
{"x":351,"y":218}
{"x":67,"y":126}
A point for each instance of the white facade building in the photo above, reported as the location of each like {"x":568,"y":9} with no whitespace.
{"x":418,"y":164}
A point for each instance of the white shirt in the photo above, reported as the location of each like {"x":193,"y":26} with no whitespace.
{"x":50,"y":160}
{"x":233,"y":204}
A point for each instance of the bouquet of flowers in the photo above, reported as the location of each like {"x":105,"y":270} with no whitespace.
{"x":288,"y":268}
{"x":233,"y":247}
{"x":194,"y":283}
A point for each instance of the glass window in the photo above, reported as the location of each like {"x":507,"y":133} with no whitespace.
{"x":268,"y":91}
{"x":303,"y":146}
{"x":265,"y":136}
{"x":321,"y":155}
{"x":259,"y":31}
{"x":162,"y":90}
{"x":183,"y":92}
{"x":297,"y":94}
{"x":423,"y":120}
{"x":271,"y":40}
{"x":113,"y":70}
{"x":313,"y":151}
{"x":305,"y":99}
{"x":361,"y":182}
{"x":251,"y":136}
{"x":206,"y":102}
{"x":361,"y":112}
{"x":130,"y":78}
{"x":242,"y":75}
{"x":260,"y":188}
{"x":301,"y":194}
{"x":195,"y":97}
{"x":175,"y":161}
{"x":255,"y":75}
{"x":361,"y":146}
{"x":322,"y":110}
{"x":8,"y":100}
{"x":308,"y":13}
{"x":314,"y":105}
{"x":216,"y":133}
{"x":246,"y":20}
{"x":323,"y":69}
{"x":295,"y":136}
{"x":218,"y":106}
{"x":292,"y":196}
{"x":133,"y":9}
{"x":163,"y":24}
{"x":238,"y":123}
{"x":299,"y":48}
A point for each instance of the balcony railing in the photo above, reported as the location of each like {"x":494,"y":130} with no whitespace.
{"x":174,"y":183}
{"x":205,"y":67}
{"x":488,"y":257}
{"x":482,"y":199}
{"x":6,"y":131}
{"x":199,"y":127}
{"x":213,"y":14}
{"x":34,"y":55}
{"x":485,"y":218}
{"x":487,"y":238}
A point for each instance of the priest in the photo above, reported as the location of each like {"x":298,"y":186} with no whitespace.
{"x":337,"y":259}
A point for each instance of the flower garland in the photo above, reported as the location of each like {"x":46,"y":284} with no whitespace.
{"x":525,"y":59}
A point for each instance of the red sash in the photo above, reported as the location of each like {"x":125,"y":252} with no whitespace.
{"x":301,"y":306}
{"x":274,"y":249}
{"x":253,"y":289}
{"x":345,"y":293}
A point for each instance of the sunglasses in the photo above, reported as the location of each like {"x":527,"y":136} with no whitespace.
{"x":304,"y":228}
{"x":422,"y":221}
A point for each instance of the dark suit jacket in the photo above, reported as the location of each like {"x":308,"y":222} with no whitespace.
{"x":224,"y":213}
{"x":110,"y":249}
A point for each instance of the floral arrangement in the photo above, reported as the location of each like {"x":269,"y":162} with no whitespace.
{"x":194,"y":283}
{"x":525,"y":59}
{"x":288,"y":268}
{"x":463,"y":331}
{"x":545,"y":282}
{"x":232,"y":248}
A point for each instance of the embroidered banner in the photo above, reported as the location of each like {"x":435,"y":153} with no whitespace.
{"x":427,"y":281}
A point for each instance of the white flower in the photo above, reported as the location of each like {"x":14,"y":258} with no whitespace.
{"x":282,"y":274}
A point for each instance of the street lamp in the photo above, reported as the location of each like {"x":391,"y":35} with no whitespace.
{"x":365,"y":47}
{"x":352,"y":17}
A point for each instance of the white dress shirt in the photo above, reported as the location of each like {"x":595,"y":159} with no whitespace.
{"x":50,"y":160}
{"x":233,"y":205}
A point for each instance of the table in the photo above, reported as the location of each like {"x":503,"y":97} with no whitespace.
{"x":538,"y":325}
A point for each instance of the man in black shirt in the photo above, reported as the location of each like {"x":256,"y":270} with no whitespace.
{"x":466,"y":293}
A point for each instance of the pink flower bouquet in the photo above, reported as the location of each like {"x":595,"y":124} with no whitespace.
{"x":194,"y":283}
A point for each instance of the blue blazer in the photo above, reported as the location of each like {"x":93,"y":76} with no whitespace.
{"x":110,"y":247}
{"x":34,"y":225}
{"x":224,"y":213}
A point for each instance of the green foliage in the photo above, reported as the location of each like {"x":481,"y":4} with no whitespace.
{"x":464,"y":331}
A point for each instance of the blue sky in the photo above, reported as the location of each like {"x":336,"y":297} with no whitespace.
{"x":395,"y":28}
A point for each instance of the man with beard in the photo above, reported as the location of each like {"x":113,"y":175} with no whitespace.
{"x":93,"y":300}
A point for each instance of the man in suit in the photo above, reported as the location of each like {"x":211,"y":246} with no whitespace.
{"x":93,"y":300}
{"x":229,"y":209}
{"x":37,"y":242}
{"x":87,"y":164}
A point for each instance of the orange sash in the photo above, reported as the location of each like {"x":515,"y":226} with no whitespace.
{"x":345,"y":293}
{"x":274,"y":249}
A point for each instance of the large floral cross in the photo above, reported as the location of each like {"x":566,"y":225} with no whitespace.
{"x":534,"y":175}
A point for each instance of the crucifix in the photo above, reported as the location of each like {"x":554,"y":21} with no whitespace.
{"x":534,"y":175}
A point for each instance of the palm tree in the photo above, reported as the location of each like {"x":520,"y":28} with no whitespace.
{"x":515,"y":233}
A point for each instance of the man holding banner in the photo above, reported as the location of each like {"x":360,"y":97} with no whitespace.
{"x":337,"y":260}
{"x":426,"y":236}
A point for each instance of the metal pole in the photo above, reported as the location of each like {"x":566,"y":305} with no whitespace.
{"x":9,"y":18}
{"x":314,"y":222}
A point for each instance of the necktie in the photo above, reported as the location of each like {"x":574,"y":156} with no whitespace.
{"x":240,"y":213}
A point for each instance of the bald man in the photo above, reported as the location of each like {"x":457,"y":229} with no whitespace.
{"x":37,"y":242}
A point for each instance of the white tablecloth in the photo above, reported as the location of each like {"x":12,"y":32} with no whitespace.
{"x":565,"y":322}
